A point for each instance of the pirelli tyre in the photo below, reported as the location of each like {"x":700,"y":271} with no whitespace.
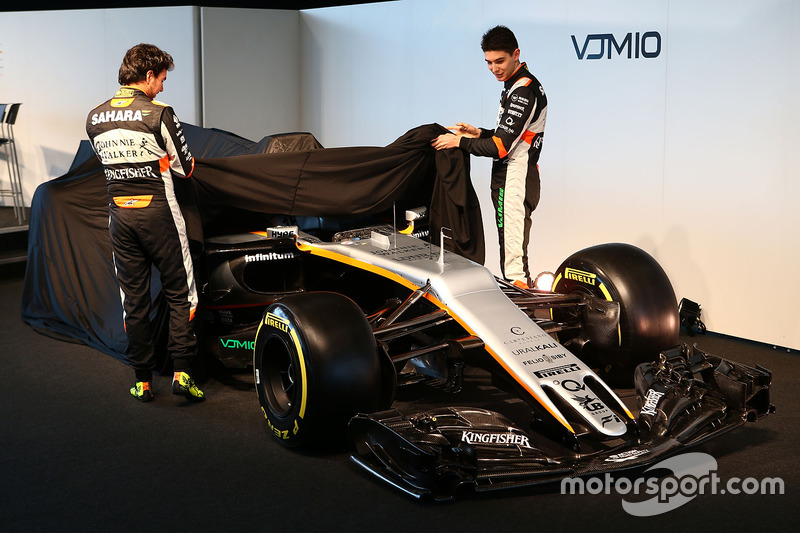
{"x":637,"y":291}
{"x":316,"y":365}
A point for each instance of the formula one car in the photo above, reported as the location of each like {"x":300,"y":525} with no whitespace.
{"x":338,"y":323}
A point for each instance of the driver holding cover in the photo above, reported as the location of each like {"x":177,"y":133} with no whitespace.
{"x":142,"y":147}
{"x":515,"y":145}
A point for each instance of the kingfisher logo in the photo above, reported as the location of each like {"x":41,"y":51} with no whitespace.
{"x":497,"y":439}
{"x":637,"y":45}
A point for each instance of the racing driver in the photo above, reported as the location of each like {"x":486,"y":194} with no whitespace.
{"x":141,"y":145}
{"x":515,"y":145}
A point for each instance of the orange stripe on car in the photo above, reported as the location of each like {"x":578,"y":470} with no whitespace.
{"x":347,"y":260}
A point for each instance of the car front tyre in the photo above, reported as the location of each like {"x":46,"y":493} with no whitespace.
{"x":315,"y":365}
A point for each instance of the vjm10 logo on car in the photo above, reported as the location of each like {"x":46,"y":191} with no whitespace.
{"x":634,"y":45}
{"x":236,"y":344}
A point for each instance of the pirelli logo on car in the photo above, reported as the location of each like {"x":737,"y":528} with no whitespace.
{"x":557,"y":371}
{"x":580,"y":276}
{"x":276,"y":322}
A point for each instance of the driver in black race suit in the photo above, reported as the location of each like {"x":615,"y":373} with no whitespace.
{"x":141,"y":145}
{"x":515,"y":145}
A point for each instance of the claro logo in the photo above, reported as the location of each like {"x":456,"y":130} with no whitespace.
{"x":633,"y":45}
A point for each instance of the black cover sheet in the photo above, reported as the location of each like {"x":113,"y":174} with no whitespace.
{"x":70,"y":291}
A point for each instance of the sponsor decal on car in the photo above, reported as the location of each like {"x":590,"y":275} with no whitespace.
{"x":236,"y":344}
{"x":500,"y":439}
{"x":276,"y":322}
{"x":572,"y":385}
{"x":557,"y":370}
{"x":651,"y":402}
{"x":589,"y":403}
{"x":281,"y":232}
{"x":522,"y":337}
{"x":402,"y":254}
{"x":546,"y":358}
{"x":580,"y":276}
{"x":536,"y":348}
{"x":626,"y":456}
{"x":271,"y":256}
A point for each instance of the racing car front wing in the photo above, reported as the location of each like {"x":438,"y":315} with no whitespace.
{"x":686,"y":397}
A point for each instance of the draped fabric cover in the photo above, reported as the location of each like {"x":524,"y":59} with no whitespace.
{"x":70,"y":291}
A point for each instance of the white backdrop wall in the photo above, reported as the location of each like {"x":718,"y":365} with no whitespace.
{"x":251,"y":71}
{"x":60,"y":64}
{"x":235,"y":69}
{"x":687,"y":154}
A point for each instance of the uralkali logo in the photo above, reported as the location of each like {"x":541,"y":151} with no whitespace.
{"x":693,"y":474}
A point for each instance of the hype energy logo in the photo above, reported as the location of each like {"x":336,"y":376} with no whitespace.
{"x":693,"y":474}
{"x":634,"y":45}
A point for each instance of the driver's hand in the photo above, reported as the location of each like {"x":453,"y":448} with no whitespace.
{"x":467,"y":130}
{"x":445,"y":141}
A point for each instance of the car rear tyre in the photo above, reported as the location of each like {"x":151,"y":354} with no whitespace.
{"x":648,"y":311}
{"x":316,"y":365}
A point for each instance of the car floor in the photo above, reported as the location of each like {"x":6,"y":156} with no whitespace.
{"x":77,"y":453}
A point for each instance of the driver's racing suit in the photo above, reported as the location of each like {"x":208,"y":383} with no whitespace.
{"x":142,"y":147}
{"x":515,"y":145}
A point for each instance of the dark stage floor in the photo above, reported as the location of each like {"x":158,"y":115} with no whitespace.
{"x":79,"y":454}
{"x":8,"y":218}
{"x":13,"y":236}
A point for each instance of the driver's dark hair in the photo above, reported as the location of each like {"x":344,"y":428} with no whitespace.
{"x":499,"y":39}
{"x":141,"y":58}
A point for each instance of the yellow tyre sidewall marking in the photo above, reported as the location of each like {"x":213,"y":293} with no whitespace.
{"x":300,"y":355}
{"x":606,"y":295}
